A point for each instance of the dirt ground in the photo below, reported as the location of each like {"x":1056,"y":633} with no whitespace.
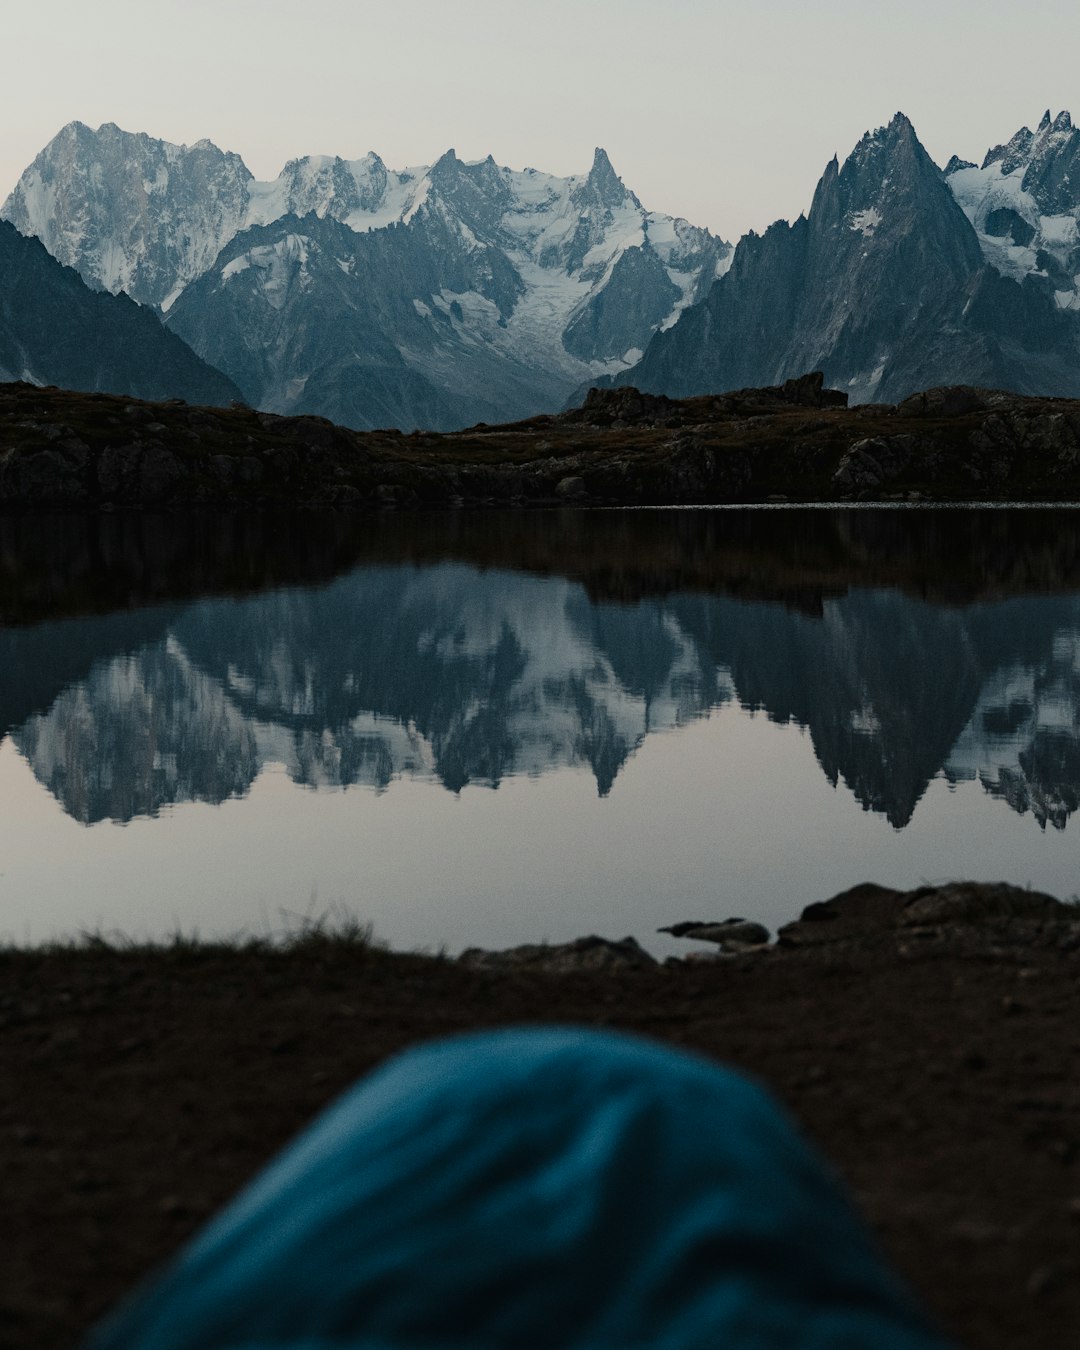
{"x":942,"y":1079}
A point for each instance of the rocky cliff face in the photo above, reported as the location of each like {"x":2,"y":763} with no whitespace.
{"x":883,"y":286}
{"x":55,"y":330}
{"x":473,"y":292}
{"x":129,"y":212}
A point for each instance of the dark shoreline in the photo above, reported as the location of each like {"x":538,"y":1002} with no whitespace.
{"x":797,"y":442}
{"x":927,"y":1043}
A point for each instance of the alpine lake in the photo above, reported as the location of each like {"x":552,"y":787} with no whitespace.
{"x":491,"y":728}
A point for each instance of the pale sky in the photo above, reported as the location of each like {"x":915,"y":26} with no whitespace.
{"x":721,"y":112}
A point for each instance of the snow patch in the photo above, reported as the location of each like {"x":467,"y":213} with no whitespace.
{"x":276,"y":266}
{"x":238,"y":265}
{"x":865,"y":222}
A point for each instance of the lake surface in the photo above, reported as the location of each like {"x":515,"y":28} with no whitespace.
{"x":490,"y":729}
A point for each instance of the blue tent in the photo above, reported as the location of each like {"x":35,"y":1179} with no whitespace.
{"x":535,"y":1190}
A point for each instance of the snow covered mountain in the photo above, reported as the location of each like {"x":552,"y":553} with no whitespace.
{"x":1024,"y":202}
{"x":1023,"y":740}
{"x":130,"y":213}
{"x":883,"y":286}
{"x":428,"y":296}
{"x":457,"y":292}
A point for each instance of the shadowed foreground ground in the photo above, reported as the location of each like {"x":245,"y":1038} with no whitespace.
{"x":940,"y":1072}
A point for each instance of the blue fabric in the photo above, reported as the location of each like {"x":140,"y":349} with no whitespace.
{"x":535,"y":1190}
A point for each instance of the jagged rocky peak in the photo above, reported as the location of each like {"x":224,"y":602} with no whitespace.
{"x":447,"y":167}
{"x":889,"y":188}
{"x":603,"y":186}
{"x":1052,"y":176}
{"x":886,"y":178}
{"x":484,"y":173}
{"x":1046,"y":157}
{"x":882,"y":154}
{"x":1013,"y":152}
{"x":478,"y":194}
{"x":884,"y":140}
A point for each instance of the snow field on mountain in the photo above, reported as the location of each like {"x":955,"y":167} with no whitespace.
{"x":1004,"y":190}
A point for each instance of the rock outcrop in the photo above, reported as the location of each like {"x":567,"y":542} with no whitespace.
{"x":795,"y":442}
{"x":967,"y":912}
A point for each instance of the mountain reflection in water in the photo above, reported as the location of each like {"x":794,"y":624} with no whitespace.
{"x":454,"y":659}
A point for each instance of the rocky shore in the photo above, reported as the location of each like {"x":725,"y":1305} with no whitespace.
{"x":797,"y":442}
{"x":959,"y":917}
{"x":927,"y":1041}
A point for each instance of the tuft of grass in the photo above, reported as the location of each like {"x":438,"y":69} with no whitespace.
{"x":332,"y":929}
{"x":309,"y":932}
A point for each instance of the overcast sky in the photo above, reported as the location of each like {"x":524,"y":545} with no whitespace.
{"x":721,"y":112}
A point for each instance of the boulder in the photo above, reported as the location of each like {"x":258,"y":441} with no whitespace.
{"x":730,"y":935}
{"x":808,"y":391}
{"x":953,"y":400}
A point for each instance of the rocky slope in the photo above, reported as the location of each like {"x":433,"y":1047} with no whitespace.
{"x":54,"y":330}
{"x":474,"y":292}
{"x":310,"y":295}
{"x":883,"y":285}
{"x":795,"y":442}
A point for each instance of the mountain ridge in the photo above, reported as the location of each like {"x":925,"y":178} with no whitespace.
{"x":456,"y":292}
{"x":884,"y":285}
{"x":533,"y":283}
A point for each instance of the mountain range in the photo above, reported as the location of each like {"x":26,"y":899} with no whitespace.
{"x":432,"y":296}
{"x":895,"y":280}
{"x":457,"y":292}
